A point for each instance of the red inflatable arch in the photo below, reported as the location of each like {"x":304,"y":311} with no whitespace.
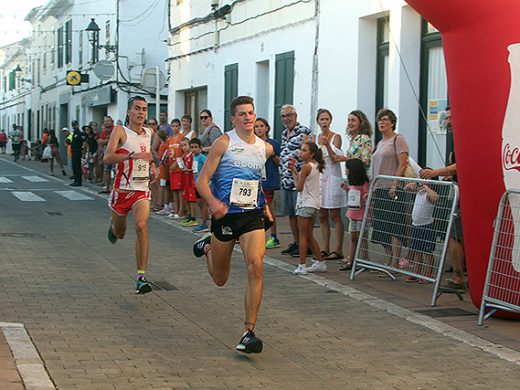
{"x":477,"y":37}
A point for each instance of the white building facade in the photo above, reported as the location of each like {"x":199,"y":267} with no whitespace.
{"x":131,"y":39}
{"x":340,"y":55}
{"x":15,"y":91}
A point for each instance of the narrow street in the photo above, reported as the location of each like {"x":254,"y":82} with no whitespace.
{"x":74,"y":293}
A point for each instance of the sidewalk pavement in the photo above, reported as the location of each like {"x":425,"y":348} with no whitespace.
{"x":9,"y":377}
{"x":449,"y":310}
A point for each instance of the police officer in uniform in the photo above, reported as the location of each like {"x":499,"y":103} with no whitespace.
{"x":76,"y":147}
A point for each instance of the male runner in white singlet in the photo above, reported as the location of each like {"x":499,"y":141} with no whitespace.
{"x":235,"y":165}
{"x":129,"y":150}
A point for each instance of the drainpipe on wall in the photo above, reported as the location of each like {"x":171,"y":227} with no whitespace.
{"x":315,"y":78}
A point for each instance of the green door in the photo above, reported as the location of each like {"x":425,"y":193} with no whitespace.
{"x":230,"y":91}
{"x":283,"y":89}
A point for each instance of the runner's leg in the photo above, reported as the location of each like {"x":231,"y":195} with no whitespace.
{"x":253,"y":247}
{"x":219,"y":260}
{"x":118,"y":225}
{"x":141,"y":210}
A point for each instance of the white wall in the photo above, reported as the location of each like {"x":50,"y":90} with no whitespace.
{"x":248,"y":44}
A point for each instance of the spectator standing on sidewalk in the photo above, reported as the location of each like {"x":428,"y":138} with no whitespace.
{"x":155,"y":142}
{"x":187,"y":131}
{"x":199,"y":159}
{"x":211,"y":130}
{"x":129,"y":149}
{"x":76,"y":148}
{"x":293,"y":137}
{"x":52,"y":141}
{"x":164,"y":125}
{"x":272,"y":177}
{"x":108,"y":126}
{"x":456,"y":241}
{"x":3,"y":141}
{"x":358,"y":186}
{"x":333,"y":198}
{"x":16,"y":141}
{"x":307,"y":183}
{"x":359,"y":131}
{"x":391,"y":159}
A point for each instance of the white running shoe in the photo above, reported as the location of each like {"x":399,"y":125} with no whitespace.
{"x":318,"y":266}
{"x":164,"y":211}
{"x":300,"y":270}
{"x":174,"y":216}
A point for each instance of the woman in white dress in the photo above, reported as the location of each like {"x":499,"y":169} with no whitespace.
{"x":333,"y":198}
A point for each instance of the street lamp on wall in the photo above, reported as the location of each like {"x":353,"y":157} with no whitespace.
{"x":93,"y":37}
{"x":18,"y":73}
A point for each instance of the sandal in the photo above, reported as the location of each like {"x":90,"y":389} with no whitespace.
{"x":456,"y":286}
{"x":324,"y":254}
{"x":346,"y":267}
{"x":333,"y":256}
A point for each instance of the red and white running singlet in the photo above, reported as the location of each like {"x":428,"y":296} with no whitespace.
{"x":133,"y":174}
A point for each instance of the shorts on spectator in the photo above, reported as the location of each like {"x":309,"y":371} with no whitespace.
{"x":423,"y":238}
{"x":355,"y":225}
{"x":306,"y":212}
{"x":456,"y":226}
{"x":233,"y":225}
{"x":269,"y":195}
{"x":190,"y":194}
{"x":176,"y":181}
{"x":121,"y":202}
{"x":288,"y":198}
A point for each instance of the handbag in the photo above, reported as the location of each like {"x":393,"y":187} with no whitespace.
{"x":412,"y":168}
{"x":47,"y":152}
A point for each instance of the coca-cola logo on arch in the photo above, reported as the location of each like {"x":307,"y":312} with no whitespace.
{"x":511,"y":158}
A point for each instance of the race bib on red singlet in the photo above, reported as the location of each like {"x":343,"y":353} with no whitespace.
{"x":141,"y":170}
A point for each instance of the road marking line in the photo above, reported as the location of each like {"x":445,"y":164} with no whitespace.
{"x":74,"y":195}
{"x":27,"y":196}
{"x":4,"y":179}
{"x":35,"y":179}
{"x":26,"y":357}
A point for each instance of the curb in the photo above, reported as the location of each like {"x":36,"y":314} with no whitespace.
{"x":26,"y":357}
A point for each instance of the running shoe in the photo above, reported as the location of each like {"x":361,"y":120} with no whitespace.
{"x":201,"y":229}
{"x":249,"y":343}
{"x":164,"y":211}
{"x":190,"y":223}
{"x":142,"y":286}
{"x":111,"y":236}
{"x":290,"y":249}
{"x":318,"y":266}
{"x":300,"y":270}
{"x":185,"y":220}
{"x":272,"y":243}
{"x":198,"y":246}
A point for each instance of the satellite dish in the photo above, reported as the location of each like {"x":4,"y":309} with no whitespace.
{"x":104,"y":70}
{"x":149,"y":80}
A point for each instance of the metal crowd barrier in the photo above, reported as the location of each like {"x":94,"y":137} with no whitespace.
{"x":390,"y":243}
{"x":502,"y":286}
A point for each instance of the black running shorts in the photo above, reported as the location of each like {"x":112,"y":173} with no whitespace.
{"x":233,"y":225}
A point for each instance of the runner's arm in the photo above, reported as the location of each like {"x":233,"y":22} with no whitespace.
{"x":215,"y":154}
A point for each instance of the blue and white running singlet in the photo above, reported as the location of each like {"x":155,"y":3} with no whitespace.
{"x":237,"y":181}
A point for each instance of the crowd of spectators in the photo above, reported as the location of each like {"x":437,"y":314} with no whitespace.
{"x":180,"y":152}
